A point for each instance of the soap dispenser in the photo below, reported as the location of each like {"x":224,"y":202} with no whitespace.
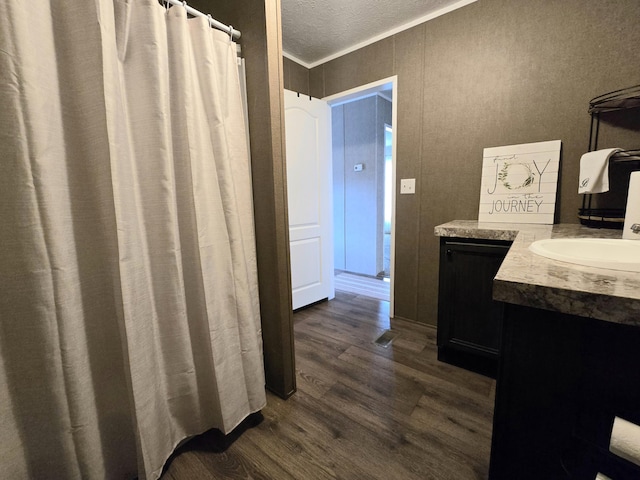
{"x":632,"y":216}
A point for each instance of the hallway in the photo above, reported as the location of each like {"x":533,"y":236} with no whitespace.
{"x":372,"y":287}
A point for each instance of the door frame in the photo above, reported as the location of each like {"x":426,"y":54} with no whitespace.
{"x":357,"y":93}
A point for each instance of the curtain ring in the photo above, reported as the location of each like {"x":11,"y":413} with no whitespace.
{"x":184,"y":4}
{"x":210,"y":20}
{"x":231,"y":32}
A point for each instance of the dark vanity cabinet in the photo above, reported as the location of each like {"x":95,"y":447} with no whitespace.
{"x":469,"y":320}
{"x":562,"y":381}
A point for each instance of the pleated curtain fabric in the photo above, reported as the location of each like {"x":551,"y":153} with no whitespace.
{"x":129,"y":315}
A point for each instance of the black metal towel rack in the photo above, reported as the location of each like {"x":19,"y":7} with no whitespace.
{"x":617,"y":100}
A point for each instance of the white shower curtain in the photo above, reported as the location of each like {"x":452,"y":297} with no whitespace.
{"x":128,"y":287}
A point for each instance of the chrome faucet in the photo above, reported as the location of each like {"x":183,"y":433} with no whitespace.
{"x":635,"y":228}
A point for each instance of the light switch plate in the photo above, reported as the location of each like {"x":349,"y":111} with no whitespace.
{"x":408,"y":186}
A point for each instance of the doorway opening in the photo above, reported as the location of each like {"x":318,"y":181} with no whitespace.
{"x":388,"y":200}
{"x":363,"y":129}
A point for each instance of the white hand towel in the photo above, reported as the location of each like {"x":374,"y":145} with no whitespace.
{"x":625,"y":440}
{"x":594,"y":171}
{"x":632,"y":215}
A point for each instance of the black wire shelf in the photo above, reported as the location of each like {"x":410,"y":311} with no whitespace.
{"x":624,"y":99}
{"x":617,"y":100}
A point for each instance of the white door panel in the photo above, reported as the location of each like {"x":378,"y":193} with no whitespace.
{"x":308,"y":137}
{"x":303,"y":166}
{"x":303,"y":232}
{"x":306,"y":271}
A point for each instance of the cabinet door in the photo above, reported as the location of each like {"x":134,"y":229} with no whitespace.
{"x":468,"y":317}
{"x":563,"y":379}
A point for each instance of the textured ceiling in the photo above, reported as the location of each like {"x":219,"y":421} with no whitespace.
{"x":314,"y":30}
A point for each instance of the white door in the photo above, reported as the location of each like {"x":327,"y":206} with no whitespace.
{"x":309,"y":187}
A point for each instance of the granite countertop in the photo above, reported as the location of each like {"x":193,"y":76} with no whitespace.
{"x":531,"y":280}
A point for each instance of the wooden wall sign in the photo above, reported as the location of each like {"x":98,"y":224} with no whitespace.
{"x":519,"y":183}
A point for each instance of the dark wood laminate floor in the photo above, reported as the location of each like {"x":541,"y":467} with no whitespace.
{"x":361,"y":411}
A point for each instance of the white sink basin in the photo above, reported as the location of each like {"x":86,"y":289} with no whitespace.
{"x":615,"y":254}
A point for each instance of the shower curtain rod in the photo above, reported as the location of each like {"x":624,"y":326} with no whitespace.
{"x":212,"y":21}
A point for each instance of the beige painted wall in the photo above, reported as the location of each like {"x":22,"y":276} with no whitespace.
{"x":496,"y":72}
{"x":296,"y":77}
